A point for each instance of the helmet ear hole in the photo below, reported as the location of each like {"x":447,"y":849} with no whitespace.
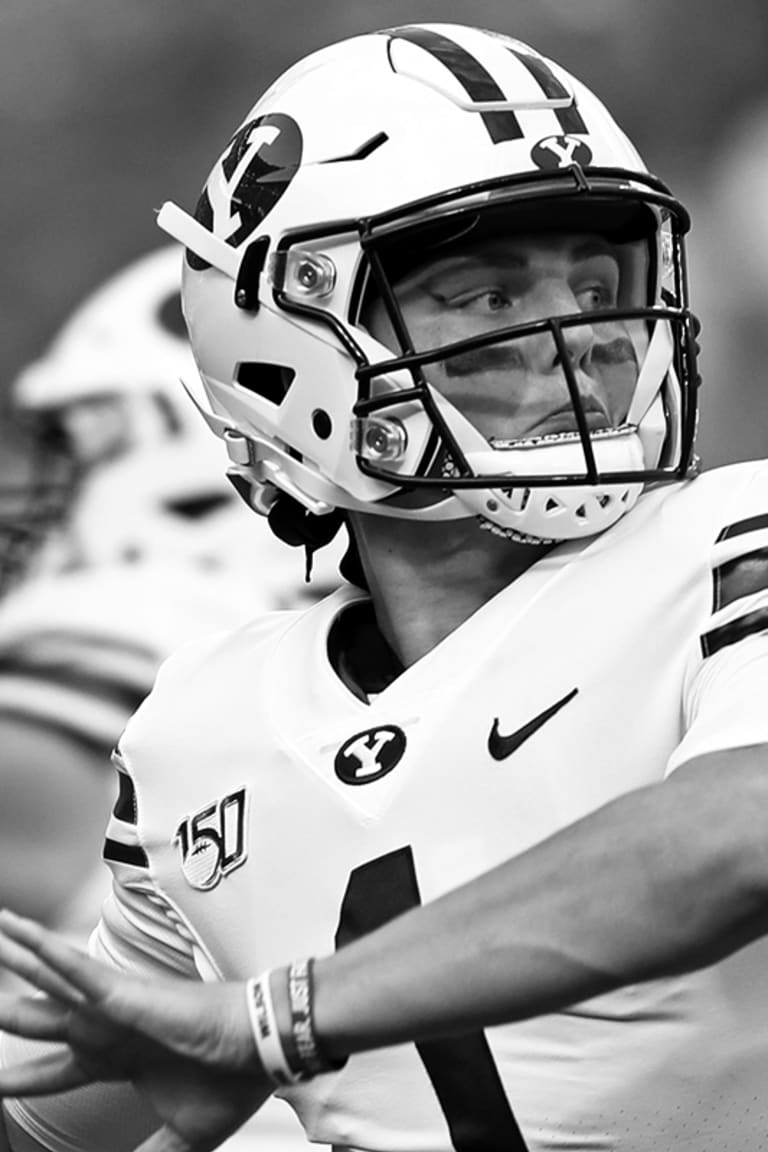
{"x":270,"y":381}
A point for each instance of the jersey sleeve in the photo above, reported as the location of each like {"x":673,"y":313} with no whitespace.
{"x":724,"y":700}
{"x":140,"y":930}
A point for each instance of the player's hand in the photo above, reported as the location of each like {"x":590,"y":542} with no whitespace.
{"x":188,"y":1046}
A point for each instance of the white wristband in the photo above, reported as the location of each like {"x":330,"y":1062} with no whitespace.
{"x":261,"y":1012}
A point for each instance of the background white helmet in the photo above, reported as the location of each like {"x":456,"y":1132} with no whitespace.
{"x":147,"y":481}
{"x":107,"y":394}
{"x":111,"y":375}
{"x":367,"y":155}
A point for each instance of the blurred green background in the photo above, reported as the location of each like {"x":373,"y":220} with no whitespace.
{"x":109,"y":107}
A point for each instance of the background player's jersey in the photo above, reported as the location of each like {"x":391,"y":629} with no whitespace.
{"x":79,"y":651}
{"x":266,"y":813}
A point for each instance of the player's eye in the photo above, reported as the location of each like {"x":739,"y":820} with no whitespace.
{"x":593,"y":297}
{"x":482,"y":300}
{"x":497,"y":300}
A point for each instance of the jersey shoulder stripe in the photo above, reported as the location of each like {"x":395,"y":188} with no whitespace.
{"x":121,"y":853}
{"x":126,"y":808}
{"x":748,"y":625}
{"x":739,"y":562}
{"x":122,"y":844}
{"x":741,"y":576}
{"x":750,"y":524}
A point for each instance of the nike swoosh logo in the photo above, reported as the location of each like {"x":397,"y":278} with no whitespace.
{"x":502,"y":746}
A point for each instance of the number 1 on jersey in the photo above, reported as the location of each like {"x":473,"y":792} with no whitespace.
{"x":461,"y":1068}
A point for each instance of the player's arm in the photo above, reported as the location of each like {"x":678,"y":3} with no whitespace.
{"x":665,"y":879}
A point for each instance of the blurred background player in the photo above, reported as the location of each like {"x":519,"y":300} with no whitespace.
{"x":126,"y":541}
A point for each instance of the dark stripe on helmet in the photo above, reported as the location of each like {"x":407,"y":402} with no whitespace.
{"x":749,"y":625}
{"x":363,"y":152}
{"x":570,"y":119}
{"x":125,"y":853}
{"x":742,"y":576}
{"x":753,"y":524}
{"x":475,"y":80}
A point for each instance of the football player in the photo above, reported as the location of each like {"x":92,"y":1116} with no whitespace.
{"x":145,"y":545}
{"x":434,"y":293}
{"x":127,"y":541}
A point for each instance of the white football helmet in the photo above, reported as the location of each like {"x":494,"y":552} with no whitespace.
{"x":107,"y":387}
{"x":110,"y":378}
{"x":359,"y":162}
{"x":148,"y":482}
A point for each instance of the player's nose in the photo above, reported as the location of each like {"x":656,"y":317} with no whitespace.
{"x":555,"y":299}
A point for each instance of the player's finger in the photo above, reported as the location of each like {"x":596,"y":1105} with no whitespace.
{"x":71,"y":963}
{"x":191,"y":1020}
{"x":24,"y":962}
{"x":56,"y":1071}
{"x":166,"y":1140}
{"x":34,"y":1017}
{"x":56,"y":966}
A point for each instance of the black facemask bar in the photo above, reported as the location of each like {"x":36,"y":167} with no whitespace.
{"x":561,"y":191}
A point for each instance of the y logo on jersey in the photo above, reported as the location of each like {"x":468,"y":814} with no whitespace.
{"x":369,"y":755}
{"x":212,"y":842}
{"x":257,"y":166}
{"x":560,"y":151}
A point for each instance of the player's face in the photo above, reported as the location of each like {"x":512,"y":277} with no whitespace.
{"x":98,"y":428}
{"x":518,"y":389}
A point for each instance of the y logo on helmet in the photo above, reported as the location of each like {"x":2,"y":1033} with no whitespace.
{"x":368,"y":756}
{"x":212,"y":841}
{"x":560,"y":151}
{"x":259,"y":163}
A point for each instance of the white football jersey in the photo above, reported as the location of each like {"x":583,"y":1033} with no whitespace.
{"x":79,"y":651}
{"x":267,"y":812}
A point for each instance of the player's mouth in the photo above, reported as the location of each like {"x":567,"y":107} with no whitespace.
{"x":563,"y":419}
